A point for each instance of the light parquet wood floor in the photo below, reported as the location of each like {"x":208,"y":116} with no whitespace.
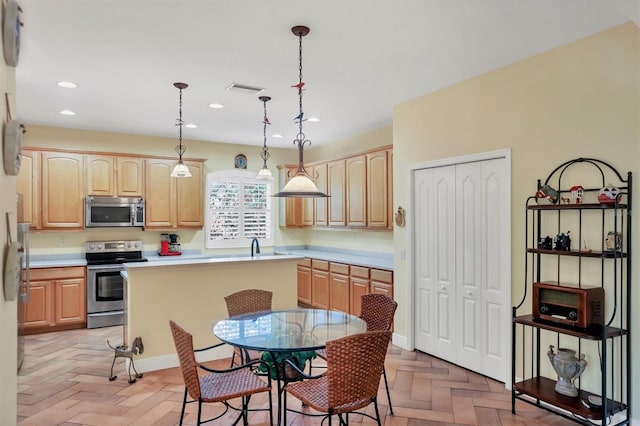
{"x":64,"y":381}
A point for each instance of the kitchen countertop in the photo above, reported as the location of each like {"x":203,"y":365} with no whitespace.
{"x":56,"y":263}
{"x":370,"y":260}
{"x":186,"y":259}
{"x":351,"y":257}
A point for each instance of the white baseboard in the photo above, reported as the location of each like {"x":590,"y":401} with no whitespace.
{"x":399,"y":340}
{"x":169,"y":361}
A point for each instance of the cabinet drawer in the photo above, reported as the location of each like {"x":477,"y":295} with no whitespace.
{"x":43,"y":274}
{"x":359,"y":271}
{"x":382,"y":276}
{"x":320,"y":264}
{"x":305,"y":262}
{"x":340,"y":268}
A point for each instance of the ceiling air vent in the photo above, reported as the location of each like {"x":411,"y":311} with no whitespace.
{"x":244,"y":88}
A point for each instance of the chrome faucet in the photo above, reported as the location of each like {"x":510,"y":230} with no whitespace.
{"x":257,"y":246}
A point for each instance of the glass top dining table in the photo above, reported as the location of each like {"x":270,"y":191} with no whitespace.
{"x":288,"y":330}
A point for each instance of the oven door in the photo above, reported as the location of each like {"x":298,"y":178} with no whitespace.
{"x":105,"y":295}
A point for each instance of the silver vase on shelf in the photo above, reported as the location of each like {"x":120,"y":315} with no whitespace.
{"x":568,"y":367}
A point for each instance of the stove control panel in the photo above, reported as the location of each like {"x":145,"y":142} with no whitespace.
{"x":113,"y":246}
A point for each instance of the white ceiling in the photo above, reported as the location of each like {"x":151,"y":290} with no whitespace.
{"x":361,"y":58}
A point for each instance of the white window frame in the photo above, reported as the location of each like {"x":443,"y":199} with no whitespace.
{"x":241,"y":177}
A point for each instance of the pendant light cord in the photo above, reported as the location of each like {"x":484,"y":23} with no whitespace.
{"x":300,"y":139}
{"x":180,"y":149}
{"x":265,"y":151}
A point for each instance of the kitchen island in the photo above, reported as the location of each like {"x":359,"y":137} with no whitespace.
{"x":191,"y":291}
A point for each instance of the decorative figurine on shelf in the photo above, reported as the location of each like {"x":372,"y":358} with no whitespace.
{"x":613,"y":242}
{"x":577,"y":193}
{"x":565,"y":200}
{"x":563,"y":241}
{"x":609,"y":195}
{"x":568,"y":367}
{"x":545,"y":243}
{"x":548,"y":193}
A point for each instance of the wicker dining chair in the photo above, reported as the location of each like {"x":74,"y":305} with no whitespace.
{"x":346,"y":386}
{"x":246,"y":302}
{"x":377,"y":310}
{"x":218,"y":385}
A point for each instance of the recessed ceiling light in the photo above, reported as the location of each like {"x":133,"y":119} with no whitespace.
{"x":216,"y":106}
{"x":67,"y":112}
{"x":191,"y":126}
{"x":276,"y":135}
{"x":314,"y":119}
{"x":67,"y":84}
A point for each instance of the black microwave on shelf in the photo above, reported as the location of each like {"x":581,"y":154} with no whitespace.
{"x":114,"y":212}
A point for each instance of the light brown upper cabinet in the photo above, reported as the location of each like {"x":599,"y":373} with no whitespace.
{"x":336,"y":182}
{"x":377,"y":189}
{"x":28,"y":184}
{"x":360,"y":193}
{"x":62,"y":190}
{"x":190,"y":193}
{"x":320,"y":203}
{"x":173,"y":202}
{"x":109,"y":175}
{"x":356,"y":194}
{"x":290,"y":208}
{"x":390,"y":215}
{"x":308,"y":203}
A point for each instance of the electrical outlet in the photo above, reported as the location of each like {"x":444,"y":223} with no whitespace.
{"x":62,"y":240}
{"x":403,"y":253}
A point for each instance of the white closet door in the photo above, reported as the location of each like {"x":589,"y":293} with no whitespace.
{"x":495,"y":280}
{"x":434,"y":267}
{"x":468,"y":261}
{"x":460,"y":271}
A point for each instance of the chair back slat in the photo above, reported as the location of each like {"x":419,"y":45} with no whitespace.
{"x":378,"y":311}
{"x":354,"y":367}
{"x":248,"y":301}
{"x":188,"y":364}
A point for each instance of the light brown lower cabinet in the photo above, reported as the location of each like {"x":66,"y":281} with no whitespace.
{"x":359,"y":285}
{"x":57,"y":299}
{"x":319,"y":284}
{"x":304,"y":282}
{"x":382,"y":282}
{"x":339,"y":286}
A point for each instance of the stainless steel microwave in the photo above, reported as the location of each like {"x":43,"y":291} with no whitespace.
{"x":113,"y":212}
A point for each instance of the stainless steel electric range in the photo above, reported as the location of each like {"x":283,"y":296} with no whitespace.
{"x":105,"y":284}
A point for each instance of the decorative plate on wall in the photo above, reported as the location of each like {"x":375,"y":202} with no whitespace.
{"x":240,"y":161}
{"x":12,"y":271}
{"x":11,"y":32}
{"x":12,"y":146}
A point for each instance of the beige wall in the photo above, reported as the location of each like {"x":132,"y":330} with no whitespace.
{"x":8,"y":310}
{"x":578,"y":100}
{"x":159,"y":294}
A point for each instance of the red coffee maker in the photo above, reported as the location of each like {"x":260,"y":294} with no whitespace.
{"x":169,"y":245}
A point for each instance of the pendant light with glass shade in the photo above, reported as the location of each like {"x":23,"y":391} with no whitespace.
{"x":264,"y":173}
{"x":301,"y":184}
{"x":181,"y":169}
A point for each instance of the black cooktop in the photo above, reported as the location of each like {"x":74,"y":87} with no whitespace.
{"x":114,"y":258}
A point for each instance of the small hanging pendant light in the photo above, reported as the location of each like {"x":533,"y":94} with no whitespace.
{"x":301,"y":184}
{"x":264,"y":172}
{"x":181,"y":169}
